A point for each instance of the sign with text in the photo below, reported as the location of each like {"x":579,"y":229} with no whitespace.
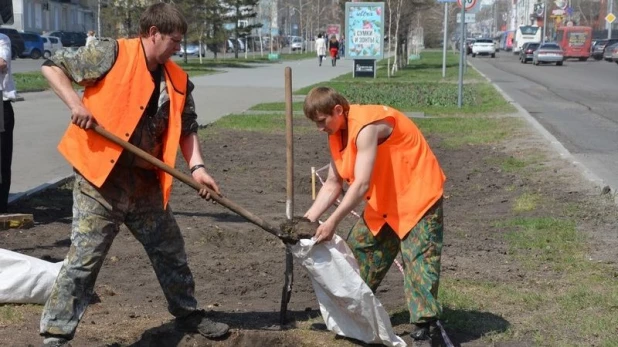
{"x":470,"y":18}
{"x":364,"y":30}
{"x":333,"y":29}
{"x":364,"y":68}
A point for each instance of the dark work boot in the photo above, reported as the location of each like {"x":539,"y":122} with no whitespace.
{"x":423,"y":331}
{"x":197,"y":322}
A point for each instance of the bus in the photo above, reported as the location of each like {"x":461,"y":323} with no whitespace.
{"x":506,"y":40}
{"x":526,"y":33}
{"x":575,"y":41}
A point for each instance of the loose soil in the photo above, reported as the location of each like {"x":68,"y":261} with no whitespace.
{"x":239,"y":268}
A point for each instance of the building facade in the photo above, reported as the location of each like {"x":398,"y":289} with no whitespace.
{"x":51,"y":15}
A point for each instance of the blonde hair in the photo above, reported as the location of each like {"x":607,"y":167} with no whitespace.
{"x":323,"y":100}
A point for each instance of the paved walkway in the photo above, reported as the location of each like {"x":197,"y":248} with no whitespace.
{"x":42,"y":118}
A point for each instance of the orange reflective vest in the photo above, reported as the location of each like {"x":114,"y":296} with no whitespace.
{"x":118,"y":102}
{"x":406,"y":179}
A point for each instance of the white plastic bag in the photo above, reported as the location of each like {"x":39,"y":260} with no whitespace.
{"x":25,"y":279}
{"x":348,"y":305}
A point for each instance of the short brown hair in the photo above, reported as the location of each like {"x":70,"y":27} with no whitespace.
{"x":323,"y":100}
{"x":166,"y":17}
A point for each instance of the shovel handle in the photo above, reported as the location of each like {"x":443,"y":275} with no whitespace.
{"x":188,"y":180}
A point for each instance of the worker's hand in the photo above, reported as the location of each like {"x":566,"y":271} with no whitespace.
{"x":201,"y":176}
{"x":4,"y":66}
{"x":81,"y":117}
{"x":325,"y":231}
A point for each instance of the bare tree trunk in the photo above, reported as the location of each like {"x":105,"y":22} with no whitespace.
{"x":396,"y":63}
{"x":390,"y":38}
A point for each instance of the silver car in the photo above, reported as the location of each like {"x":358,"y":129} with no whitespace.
{"x":548,"y":53}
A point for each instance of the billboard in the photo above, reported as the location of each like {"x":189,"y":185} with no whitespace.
{"x":333,"y":29}
{"x":364,"y":30}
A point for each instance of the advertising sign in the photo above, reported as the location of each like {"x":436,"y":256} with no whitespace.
{"x":364,"y":30}
{"x":364,"y":68}
{"x":333,"y":29}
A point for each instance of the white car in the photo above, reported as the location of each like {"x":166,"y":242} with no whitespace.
{"x":50,"y":45}
{"x":484,"y":47}
{"x":297,"y":44}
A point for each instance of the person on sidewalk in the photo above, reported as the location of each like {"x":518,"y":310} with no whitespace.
{"x":386,"y":162}
{"x":90,"y":38}
{"x":7,"y":123}
{"x":342,"y":46}
{"x":320,"y":48}
{"x":135,"y":91}
{"x":333,"y":48}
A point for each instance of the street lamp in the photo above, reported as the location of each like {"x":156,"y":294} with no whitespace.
{"x":544,"y":20}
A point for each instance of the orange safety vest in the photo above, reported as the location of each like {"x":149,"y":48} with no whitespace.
{"x":117,"y":102}
{"x":406,"y":179}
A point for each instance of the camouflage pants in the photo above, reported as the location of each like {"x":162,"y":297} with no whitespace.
{"x":129,"y":196}
{"x":420,"y":250}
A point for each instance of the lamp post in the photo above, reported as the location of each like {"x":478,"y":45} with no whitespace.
{"x":544,"y":20}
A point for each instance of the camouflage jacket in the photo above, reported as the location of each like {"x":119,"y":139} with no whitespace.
{"x":89,"y":64}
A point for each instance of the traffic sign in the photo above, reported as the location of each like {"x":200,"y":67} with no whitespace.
{"x":470,"y":18}
{"x":470,"y":4}
{"x":610,"y":18}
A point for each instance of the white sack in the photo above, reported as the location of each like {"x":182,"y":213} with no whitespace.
{"x":348,"y":305}
{"x":25,"y":279}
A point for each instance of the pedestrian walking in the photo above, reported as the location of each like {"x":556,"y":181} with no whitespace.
{"x":135,"y":91}
{"x":7,"y":122}
{"x":320,"y":48}
{"x":333,"y":48}
{"x":386,"y":162}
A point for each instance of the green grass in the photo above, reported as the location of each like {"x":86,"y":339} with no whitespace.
{"x":259,"y":122}
{"x":526,"y":202}
{"x":276,"y":106}
{"x":457,"y":131}
{"x":30,"y":81}
{"x":420,"y":87}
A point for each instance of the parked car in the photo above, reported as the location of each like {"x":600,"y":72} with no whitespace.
{"x":50,"y":45}
{"x":469,"y":43}
{"x":34,"y":45}
{"x":483,"y":47}
{"x":297,"y":44}
{"x":548,"y":53}
{"x":526,"y":53}
{"x":232,"y":44}
{"x":614,"y":53}
{"x":70,"y":38}
{"x":17,"y":42}
{"x":607,"y":51}
{"x":599,"y":47}
{"x":192,"y":49}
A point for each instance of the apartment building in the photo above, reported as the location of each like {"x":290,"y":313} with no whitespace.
{"x":51,"y":15}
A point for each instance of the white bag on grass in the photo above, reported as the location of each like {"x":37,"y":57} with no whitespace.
{"x":25,"y":279}
{"x":348,"y":305}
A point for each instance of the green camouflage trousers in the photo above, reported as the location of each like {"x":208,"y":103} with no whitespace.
{"x":133,"y":197}
{"x":420,"y":250}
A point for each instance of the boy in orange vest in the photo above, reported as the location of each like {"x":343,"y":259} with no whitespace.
{"x":386,"y":162}
{"x":136,"y":92}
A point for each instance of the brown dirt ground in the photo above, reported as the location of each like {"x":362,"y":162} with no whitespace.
{"x":239,"y":268}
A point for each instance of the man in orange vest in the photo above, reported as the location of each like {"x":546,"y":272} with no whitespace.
{"x":386,"y":162}
{"x":136,"y":92}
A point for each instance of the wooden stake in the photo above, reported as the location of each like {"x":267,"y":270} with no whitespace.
{"x":313,"y":182}
{"x":289,"y":203}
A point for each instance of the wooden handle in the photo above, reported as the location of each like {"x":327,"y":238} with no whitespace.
{"x":189,"y":181}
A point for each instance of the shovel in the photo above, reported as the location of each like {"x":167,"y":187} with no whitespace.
{"x":285,"y":237}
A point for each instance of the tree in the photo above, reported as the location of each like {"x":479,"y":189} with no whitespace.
{"x":241,"y":13}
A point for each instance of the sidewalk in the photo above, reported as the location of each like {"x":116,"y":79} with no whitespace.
{"x":42,"y":118}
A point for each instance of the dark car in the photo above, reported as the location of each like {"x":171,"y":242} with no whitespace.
{"x":526,"y":53}
{"x":34,"y":45}
{"x":599,"y":47}
{"x":70,"y":38}
{"x":17,"y":42}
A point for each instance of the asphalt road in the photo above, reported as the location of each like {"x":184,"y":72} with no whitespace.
{"x":575,"y":102}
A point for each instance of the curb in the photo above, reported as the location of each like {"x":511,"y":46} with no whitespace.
{"x":38,"y":189}
{"x":557,"y":146}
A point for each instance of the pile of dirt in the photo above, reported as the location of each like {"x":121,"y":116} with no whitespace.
{"x":239,"y":268}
